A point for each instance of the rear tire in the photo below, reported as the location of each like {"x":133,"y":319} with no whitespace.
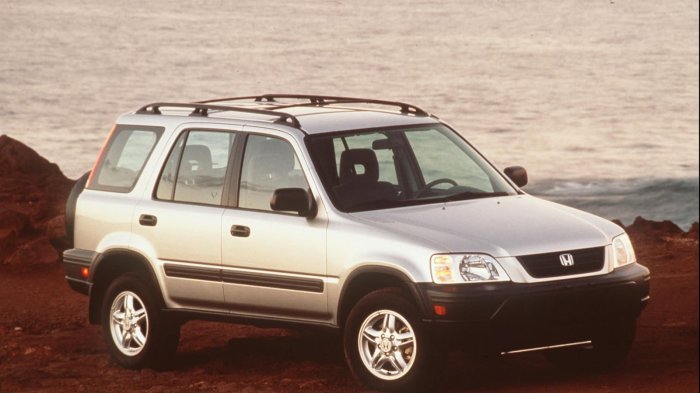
{"x":385,"y":343}
{"x":134,"y":328}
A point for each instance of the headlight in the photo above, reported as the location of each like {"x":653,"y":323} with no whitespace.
{"x":461,"y":268}
{"x":623,"y":252}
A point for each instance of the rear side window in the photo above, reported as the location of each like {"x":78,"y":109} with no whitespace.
{"x":195,"y":171}
{"x":126,"y":152}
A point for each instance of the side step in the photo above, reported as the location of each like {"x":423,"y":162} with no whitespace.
{"x":576,"y":344}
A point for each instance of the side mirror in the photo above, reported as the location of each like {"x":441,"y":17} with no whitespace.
{"x":517,"y":174}
{"x":386,"y":144}
{"x":294,"y":200}
{"x":381,"y":144}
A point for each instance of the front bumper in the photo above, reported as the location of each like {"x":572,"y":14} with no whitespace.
{"x":509,"y":316}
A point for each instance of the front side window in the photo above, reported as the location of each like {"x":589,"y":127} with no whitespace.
{"x":268,"y":164}
{"x":196,"y":168}
{"x":366,"y":170}
{"x":123,"y":158}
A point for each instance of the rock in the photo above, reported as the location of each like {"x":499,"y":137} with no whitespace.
{"x":14,"y":227}
{"x":18,"y":158}
{"x":642,"y":226}
{"x":38,"y":251}
{"x":693,"y":232}
{"x":54,"y":228}
{"x":33,"y":193}
{"x":12,"y":224}
{"x":661,"y":234}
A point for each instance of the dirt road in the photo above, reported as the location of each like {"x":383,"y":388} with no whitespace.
{"x":47,"y":345}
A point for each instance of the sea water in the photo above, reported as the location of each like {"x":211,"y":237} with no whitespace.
{"x":597,"y":99}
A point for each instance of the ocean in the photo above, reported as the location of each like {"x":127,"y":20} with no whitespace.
{"x":597,"y":99}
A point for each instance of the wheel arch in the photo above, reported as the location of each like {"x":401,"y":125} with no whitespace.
{"x":366,"y":279}
{"x":112,"y":264}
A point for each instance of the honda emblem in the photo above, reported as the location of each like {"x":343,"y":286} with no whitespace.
{"x":566,"y":260}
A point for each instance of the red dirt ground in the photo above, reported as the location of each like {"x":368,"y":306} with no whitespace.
{"x":47,"y":345}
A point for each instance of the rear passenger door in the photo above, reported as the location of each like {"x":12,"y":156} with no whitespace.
{"x":182,"y":220}
{"x":274,"y":263}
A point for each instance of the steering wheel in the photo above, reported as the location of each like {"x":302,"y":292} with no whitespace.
{"x":434,"y":183}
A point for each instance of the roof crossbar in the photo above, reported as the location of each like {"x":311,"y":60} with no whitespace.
{"x":324,"y":100}
{"x":202,"y":109}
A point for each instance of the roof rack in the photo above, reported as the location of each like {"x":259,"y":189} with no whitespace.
{"x":318,"y":100}
{"x":202,"y":109}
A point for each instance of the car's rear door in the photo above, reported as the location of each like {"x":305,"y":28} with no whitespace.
{"x":181,"y":222}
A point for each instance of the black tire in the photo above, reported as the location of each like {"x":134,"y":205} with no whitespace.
{"x":609,"y":349}
{"x":419,"y":357}
{"x":71,"y":202}
{"x":150,"y":342}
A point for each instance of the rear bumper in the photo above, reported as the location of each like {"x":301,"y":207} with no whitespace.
{"x":74,"y":261}
{"x":508,"y":316}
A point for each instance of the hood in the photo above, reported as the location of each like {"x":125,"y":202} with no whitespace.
{"x":501,"y":227}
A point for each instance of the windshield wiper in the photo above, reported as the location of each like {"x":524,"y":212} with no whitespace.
{"x":389,"y":203}
{"x":463,"y":196}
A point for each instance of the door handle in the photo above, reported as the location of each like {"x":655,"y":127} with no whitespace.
{"x":240,"y":231}
{"x":148,"y":220}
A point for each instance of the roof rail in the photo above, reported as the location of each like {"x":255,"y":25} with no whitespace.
{"x":241,"y":98}
{"x":324,"y":100}
{"x":201,"y":109}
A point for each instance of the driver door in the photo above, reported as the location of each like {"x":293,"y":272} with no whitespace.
{"x":274,"y":263}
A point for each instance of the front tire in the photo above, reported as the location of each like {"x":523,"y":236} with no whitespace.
{"x":385,"y":343}
{"x":133,"y":327}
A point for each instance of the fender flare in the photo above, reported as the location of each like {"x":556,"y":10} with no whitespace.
{"x":94,"y":307}
{"x":408,"y":284}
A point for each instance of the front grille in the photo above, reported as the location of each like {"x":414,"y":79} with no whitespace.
{"x":586,"y":260}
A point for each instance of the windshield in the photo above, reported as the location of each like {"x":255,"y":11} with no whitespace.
{"x":366,"y":170}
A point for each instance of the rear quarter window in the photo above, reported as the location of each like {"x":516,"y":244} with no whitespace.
{"x":123,"y":158}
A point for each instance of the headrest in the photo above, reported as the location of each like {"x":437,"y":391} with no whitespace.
{"x":350,"y":160}
{"x":274,"y":159}
{"x":282,"y":150}
{"x":269,"y":167}
{"x":198,"y":158}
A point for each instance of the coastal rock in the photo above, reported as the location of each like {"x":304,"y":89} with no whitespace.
{"x":618,"y":223}
{"x":663,"y":237}
{"x":693,"y":232}
{"x":33,"y":194}
{"x":659,"y":229}
{"x":38,"y":251}
{"x":13,"y":225}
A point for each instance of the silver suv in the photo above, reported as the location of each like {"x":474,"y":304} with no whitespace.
{"x":368,"y":216}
